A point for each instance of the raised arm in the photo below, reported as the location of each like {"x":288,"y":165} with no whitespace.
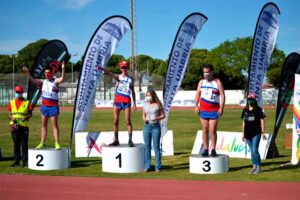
{"x":115,"y":76}
{"x":61,"y":79}
{"x":35,"y":81}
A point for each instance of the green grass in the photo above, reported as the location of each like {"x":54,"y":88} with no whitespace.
{"x":184,"y":124}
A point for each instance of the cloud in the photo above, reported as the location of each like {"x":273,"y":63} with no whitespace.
{"x":70,"y":4}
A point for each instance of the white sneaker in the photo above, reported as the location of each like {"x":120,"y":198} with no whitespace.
{"x":252,"y":171}
{"x":257,"y":171}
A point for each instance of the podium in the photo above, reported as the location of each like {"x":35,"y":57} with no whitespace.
{"x":209,"y":165}
{"x":123,"y":159}
{"x":48,"y":159}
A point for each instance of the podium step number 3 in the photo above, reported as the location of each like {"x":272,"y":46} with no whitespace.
{"x":209,"y":165}
{"x":123,"y":159}
{"x":48,"y":159}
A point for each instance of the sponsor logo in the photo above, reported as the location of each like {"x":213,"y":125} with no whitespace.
{"x":113,"y":30}
{"x":269,"y":19}
{"x":190,"y":29}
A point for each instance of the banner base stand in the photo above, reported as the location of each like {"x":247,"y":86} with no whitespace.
{"x":209,"y":165}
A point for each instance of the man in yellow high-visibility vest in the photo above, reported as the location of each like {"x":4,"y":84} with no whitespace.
{"x":19,"y":112}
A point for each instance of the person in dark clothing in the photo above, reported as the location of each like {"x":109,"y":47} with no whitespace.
{"x":253,"y":127}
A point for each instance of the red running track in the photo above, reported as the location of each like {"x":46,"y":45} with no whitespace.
{"x":60,"y":187}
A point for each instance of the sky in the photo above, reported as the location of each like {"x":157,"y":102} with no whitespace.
{"x":157,"y":21}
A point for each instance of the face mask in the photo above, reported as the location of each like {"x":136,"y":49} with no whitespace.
{"x":206,"y":75}
{"x":18,"y":95}
{"x":250,"y":101}
{"x":48,"y":76}
{"x":148,"y":98}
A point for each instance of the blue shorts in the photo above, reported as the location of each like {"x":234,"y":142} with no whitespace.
{"x":49,"y":111}
{"x":122,"y":106}
{"x":208,"y":115}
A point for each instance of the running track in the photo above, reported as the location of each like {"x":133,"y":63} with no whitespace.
{"x":60,"y":187}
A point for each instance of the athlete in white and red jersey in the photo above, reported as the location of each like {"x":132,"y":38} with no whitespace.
{"x":209,"y":98}
{"x":210,"y":95}
{"x":122,"y":100}
{"x":123,"y":89}
{"x":49,"y":93}
{"x":49,"y":107}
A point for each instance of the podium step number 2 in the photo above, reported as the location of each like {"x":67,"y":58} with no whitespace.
{"x":48,"y":159}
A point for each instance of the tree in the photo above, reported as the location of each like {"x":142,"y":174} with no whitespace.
{"x":193,"y":73}
{"x":27,"y":55}
{"x":274,"y":69}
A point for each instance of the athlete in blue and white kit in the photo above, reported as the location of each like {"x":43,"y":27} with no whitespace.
{"x":122,"y":100}
{"x":210,"y":95}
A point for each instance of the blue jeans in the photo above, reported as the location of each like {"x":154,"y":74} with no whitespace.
{"x":253,"y":145}
{"x":152,"y":131}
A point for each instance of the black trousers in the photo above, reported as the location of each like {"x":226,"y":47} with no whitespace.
{"x":20,"y":139}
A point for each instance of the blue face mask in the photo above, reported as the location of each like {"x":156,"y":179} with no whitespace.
{"x":18,"y":95}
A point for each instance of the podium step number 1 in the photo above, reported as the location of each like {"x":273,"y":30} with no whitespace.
{"x":123,"y":159}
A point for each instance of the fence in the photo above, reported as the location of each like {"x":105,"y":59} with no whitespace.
{"x":106,"y":88}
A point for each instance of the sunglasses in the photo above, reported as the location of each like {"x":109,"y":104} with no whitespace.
{"x":124,"y":68}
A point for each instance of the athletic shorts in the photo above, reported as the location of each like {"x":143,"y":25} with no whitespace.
{"x":208,"y":115}
{"x":49,"y":111}
{"x":122,"y":106}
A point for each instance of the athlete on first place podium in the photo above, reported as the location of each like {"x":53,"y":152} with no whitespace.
{"x":122,"y":100}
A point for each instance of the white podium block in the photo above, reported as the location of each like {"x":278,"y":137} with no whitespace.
{"x":123,"y":159}
{"x":48,"y":159}
{"x":209,"y":165}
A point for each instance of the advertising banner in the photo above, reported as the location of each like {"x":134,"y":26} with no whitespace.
{"x":296,"y":123}
{"x":231,"y":144}
{"x":262,"y":47}
{"x":100,"y":48}
{"x":178,"y":60}
{"x":53,"y":53}
{"x":89,"y":144}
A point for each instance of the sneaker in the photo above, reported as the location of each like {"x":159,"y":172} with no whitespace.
{"x":252,"y":171}
{"x":25,"y":164}
{"x":204,"y":153}
{"x":15,"y":164}
{"x":40,"y":146}
{"x":130,"y":144}
{"x":146,"y":170}
{"x":257,"y":171}
{"x":57,"y":146}
{"x":157,"y":171}
{"x":213,"y":153}
{"x":115,"y":143}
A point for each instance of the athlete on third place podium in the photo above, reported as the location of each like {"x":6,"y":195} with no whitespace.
{"x":122,"y":100}
{"x":210,"y":95}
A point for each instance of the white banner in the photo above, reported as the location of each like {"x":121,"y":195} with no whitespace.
{"x":100,"y":48}
{"x":296,"y":123}
{"x":231,"y":144}
{"x":262,"y":47}
{"x":89,"y":144}
{"x":180,"y":53}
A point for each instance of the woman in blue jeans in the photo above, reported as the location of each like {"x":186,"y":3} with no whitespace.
{"x":253,"y":130}
{"x":153,"y":112}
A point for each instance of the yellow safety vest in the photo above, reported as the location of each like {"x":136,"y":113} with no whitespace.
{"x":20,"y":113}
